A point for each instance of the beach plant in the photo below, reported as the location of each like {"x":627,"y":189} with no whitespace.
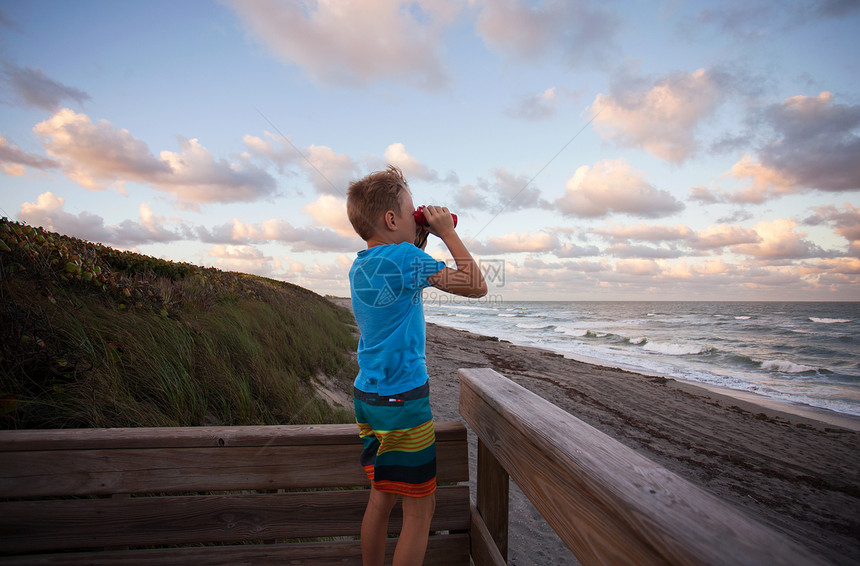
{"x":98,"y":337}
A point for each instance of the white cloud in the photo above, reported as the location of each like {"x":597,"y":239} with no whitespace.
{"x":330,"y":211}
{"x":613,"y":186}
{"x":515,"y":242}
{"x":244,"y":259}
{"x":329,"y":172}
{"x":274,"y":230}
{"x":721,"y":235}
{"x":412,"y":168}
{"x":638,"y":267}
{"x":49,"y":212}
{"x":661,"y":118}
{"x":98,"y":155}
{"x":353,"y":42}
{"x":34,"y":88}
{"x":645,"y":232}
{"x":779,"y":240}
{"x":642,"y":251}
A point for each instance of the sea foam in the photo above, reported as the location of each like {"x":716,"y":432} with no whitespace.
{"x":785,"y":366}
{"x":674,"y":349}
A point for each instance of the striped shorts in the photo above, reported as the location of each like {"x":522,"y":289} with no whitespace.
{"x":399,"y":454}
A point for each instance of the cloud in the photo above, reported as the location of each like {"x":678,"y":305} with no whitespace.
{"x":814,"y":144}
{"x":779,"y":240}
{"x":504,"y":191}
{"x":515,"y":242}
{"x":644,"y":232}
{"x":330,"y":211}
{"x":354,"y":42}
{"x":580,"y":32}
{"x":272,"y":149}
{"x":329,"y":172}
{"x":13,"y":160}
{"x":470,"y":196}
{"x":638,"y":267}
{"x":661,"y":118}
{"x":274,"y":230}
{"x":573,"y":250}
{"x":237,"y":253}
{"x":720,"y":236}
{"x":613,"y":186}
{"x":34,"y":88}
{"x":640,"y":251}
{"x":759,"y":19}
{"x":845,"y":222}
{"x":817,"y":143}
{"x":539,"y":106}
{"x":49,"y":212}
{"x":98,"y":155}
{"x":396,"y":154}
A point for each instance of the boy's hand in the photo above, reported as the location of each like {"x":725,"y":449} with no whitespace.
{"x":440,"y":221}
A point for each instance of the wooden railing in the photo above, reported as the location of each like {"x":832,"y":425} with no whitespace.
{"x":109,"y":496}
{"x":206,"y":495}
{"x":609,"y":504}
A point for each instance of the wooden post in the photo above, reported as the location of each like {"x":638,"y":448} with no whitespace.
{"x":493,"y":489}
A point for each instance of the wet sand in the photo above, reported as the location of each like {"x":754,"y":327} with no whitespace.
{"x":794,"y":468}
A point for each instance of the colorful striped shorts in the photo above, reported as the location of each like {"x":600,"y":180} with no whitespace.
{"x":399,"y":439}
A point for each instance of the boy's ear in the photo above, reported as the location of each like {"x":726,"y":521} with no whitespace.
{"x":391,"y":220}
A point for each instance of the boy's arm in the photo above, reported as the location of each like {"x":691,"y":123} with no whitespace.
{"x":467,"y":280}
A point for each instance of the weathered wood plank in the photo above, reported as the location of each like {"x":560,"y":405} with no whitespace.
{"x":493,"y":497}
{"x":609,"y":504}
{"x":29,"y":526}
{"x":483,"y":548}
{"x":448,"y":550}
{"x":48,"y":473}
{"x":195,"y":437}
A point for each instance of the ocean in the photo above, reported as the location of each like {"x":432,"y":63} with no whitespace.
{"x":794,"y":351}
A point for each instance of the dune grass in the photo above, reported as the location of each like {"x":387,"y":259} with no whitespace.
{"x":93,"y":337}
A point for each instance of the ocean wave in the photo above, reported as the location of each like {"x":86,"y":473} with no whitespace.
{"x":674,"y":349}
{"x":576,"y":332}
{"x":638,"y":341}
{"x":507,"y":315}
{"x":829,"y":320}
{"x":536,"y":326}
{"x":784,"y":366}
{"x":743,"y":317}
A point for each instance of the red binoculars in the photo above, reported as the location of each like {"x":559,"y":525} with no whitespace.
{"x":421,"y":221}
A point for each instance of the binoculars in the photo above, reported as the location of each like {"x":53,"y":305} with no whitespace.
{"x":421,"y":221}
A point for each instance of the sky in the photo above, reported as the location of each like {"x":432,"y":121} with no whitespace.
{"x":637,"y":150}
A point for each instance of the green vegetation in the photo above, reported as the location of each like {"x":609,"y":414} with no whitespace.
{"x":95,"y":337}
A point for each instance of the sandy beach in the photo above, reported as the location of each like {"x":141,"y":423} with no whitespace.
{"x":792,"y":467}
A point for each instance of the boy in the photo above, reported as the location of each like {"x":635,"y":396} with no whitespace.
{"x":392,"y":404}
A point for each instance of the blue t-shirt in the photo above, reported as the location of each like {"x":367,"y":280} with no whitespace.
{"x":386,"y":283}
